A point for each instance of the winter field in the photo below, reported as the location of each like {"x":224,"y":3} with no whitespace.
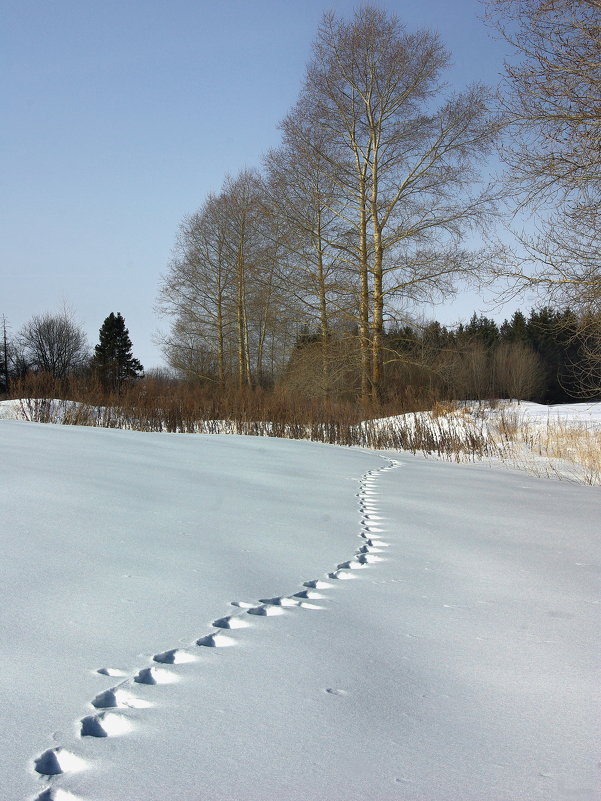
{"x":562,"y":441}
{"x":240,"y":618}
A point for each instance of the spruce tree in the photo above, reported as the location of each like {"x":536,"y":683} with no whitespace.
{"x":113,"y":361}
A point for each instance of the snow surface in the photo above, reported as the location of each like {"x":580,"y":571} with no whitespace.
{"x":561,"y":441}
{"x":588,"y":412}
{"x":459,"y":662}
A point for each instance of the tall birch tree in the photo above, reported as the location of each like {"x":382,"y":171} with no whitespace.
{"x":404,"y":157}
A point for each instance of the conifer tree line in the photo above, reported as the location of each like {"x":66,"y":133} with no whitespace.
{"x":302,"y":272}
{"x":538,"y":357}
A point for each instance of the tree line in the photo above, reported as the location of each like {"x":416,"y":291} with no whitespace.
{"x":307,"y":274}
{"x":54,"y":345}
{"x":365,"y":208}
{"x":537,"y":357}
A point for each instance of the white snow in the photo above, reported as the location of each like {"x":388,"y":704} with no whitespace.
{"x":561,"y":441}
{"x":463,"y":665}
{"x":584,"y":413}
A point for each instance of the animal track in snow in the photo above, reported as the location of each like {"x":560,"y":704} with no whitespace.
{"x":152,"y":675}
{"x":111,"y":705}
{"x":317,"y":584}
{"x":176,"y":656}
{"x":340,"y":574}
{"x":266,"y":610}
{"x":118,"y":698}
{"x":308,"y":594}
{"x":279,"y":600}
{"x":104,"y":671}
{"x":58,"y":760}
{"x":105,"y":724}
{"x":216,"y":640}
{"x":56,"y":794}
{"x":231,"y":622}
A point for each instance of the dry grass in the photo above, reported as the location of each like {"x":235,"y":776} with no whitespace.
{"x":562,"y":449}
{"x":444,"y":408}
{"x":579,"y":445}
{"x":157,"y":406}
{"x":450,"y":431}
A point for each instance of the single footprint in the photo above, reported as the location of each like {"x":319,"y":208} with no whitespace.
{"x":216,"y":640}
{"x":231,"y":622}
{"x":176,"y":656}
{"x":151,"y":675}
{"x":58,"y":760}
{"x":91,"y":726}
{"x":279,"y":600}
{"x":113,"y":698}
{"x":56,"y":794}
{"x":106,"y":700}
{"x":368,"y":559}
{"x":105,"y":724}
{"x":105,"y":671}
{"x":266,"y":610}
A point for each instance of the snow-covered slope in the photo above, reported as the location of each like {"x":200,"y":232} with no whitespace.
{"x":584,"y":413}
{"x":459,"y":660}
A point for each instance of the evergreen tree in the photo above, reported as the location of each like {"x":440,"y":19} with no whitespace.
{"x":481,"y":329}
{"x":515,"y":330}
{"x":4,"y":382}
{"x":113,"y":361}
{"x":554,"y":336}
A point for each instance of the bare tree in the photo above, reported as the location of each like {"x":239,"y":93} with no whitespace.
{"x":518,"y":371}
{"x":552,"y":95}
{"x":54,"y":343}
{"x":301,"y":197}
{"x":552,"y":103}
{"x":197,"y":294}
{"x":222,"y":290}
{"x":404,"y":166}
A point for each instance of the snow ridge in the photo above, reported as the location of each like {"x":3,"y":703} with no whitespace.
{"x":108,"y":716}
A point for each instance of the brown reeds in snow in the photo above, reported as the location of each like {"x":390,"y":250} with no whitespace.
{"x":502,"y":433}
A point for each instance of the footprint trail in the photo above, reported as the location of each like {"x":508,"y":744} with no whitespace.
{"x":109,"y":709}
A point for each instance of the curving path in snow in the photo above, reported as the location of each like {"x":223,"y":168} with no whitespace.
{"x":112,"y":706}
{"x":460,"y":661}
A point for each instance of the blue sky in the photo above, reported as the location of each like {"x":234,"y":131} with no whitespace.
{"x":119,"y":117}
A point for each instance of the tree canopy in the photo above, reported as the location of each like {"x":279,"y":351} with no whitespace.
{"x":113,"y":361}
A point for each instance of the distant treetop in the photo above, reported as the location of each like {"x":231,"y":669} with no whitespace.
{"x":113,"y":360}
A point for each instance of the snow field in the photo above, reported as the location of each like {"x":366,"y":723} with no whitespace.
{"x":463,"y":664}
